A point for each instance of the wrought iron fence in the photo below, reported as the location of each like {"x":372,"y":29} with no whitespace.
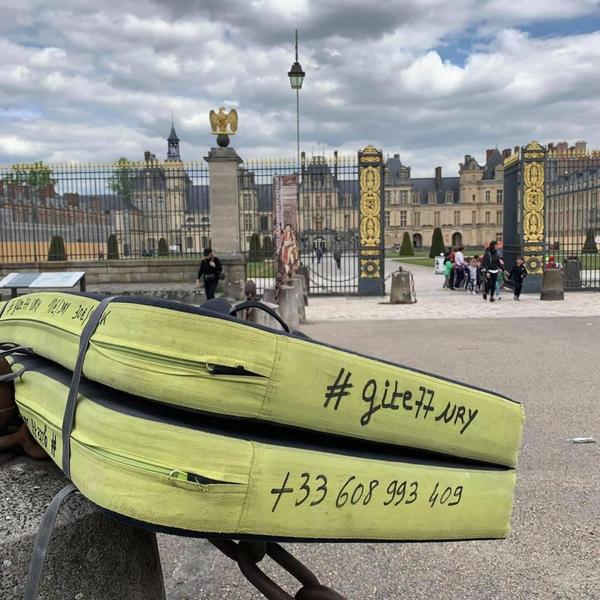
{"x":572,"y":185}
{"x":328,"y":220}
{"x":90,"y":212}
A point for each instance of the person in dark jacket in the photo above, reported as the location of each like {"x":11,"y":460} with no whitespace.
{"x":210,"y":270}
{"x":491,"y":265}
{"x":517,"y":275}
{"x":337,"y":256}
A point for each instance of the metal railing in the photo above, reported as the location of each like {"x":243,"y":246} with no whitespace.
{"x":103,"y":211}
{"x":328,"y":220}
{"x":572,"y":209}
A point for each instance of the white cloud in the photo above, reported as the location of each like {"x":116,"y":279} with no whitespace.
{"x":94,"y":81}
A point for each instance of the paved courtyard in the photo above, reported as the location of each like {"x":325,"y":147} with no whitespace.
{"x":551,"y":366}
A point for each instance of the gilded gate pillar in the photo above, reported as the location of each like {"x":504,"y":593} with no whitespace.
{"x":533,"y":213}
{"x":371,"y":267}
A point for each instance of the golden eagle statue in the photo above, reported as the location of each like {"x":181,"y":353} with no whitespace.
{"x":221,"y":121}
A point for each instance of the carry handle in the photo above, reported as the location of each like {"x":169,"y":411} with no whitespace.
{"x":261,"y":306}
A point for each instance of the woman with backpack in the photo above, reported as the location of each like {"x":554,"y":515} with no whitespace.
{"x":491,"y":265}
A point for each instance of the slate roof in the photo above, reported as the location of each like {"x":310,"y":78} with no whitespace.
{"x":490,"y":166}
{"x":425,"y":185}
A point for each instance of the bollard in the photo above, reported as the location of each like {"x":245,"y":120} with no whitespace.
{"x":268,"y":296}
{"x":302,"y":281}
{"x":255,"y":315}
{"x":572,"y":273}
{"x":288,"y":306}
{"x":298,"y":286}
{"x":90,"y":555}
{"x":304,"y":271}
{"x":553,"y":285}
{"x":403,"y":288}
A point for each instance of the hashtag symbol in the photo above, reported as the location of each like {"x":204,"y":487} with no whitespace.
{"x":339,"y":389}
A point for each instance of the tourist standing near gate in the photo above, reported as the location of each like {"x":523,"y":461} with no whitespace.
{"x":459,"y":266}
{"x":211,"y":272}
{"x":491,"y":265}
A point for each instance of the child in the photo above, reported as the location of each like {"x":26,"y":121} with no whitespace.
{"x":517,"y":275}
{"x":472,"y":273}
{"x":499,"y":282}
{"x":447,"y":274}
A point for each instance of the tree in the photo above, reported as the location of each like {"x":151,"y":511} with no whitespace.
{"x":163,"y":249}
{"x":112,"y":247}
{"x":267,"y":246}
{"x":254,"y":253}
{"x":407,"y":247}
{"x":589,"y":246}
{"x":122,"y":180}
{"x":36,"y":175}
{"x":57,"y":249}
{"x":437,"y":243}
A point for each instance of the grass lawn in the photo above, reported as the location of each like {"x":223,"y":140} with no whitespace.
{"x":423,"y":261}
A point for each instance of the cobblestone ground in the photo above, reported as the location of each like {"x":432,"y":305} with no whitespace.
{"x":435,"y":303}
{"x":552,"y":553}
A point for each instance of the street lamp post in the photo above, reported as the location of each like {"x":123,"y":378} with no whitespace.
{"x":296,"y":75}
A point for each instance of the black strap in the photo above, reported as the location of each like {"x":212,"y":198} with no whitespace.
{"x":12,"y":375}
{"x":71,"y":406}
{"x":261,"y":306}
{"x":15,"y":349}
{"x":42,"y":541}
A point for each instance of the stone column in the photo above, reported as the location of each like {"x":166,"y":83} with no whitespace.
{"x":225,"y":217}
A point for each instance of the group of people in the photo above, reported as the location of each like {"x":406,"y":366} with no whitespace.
{"x":485,"y":273}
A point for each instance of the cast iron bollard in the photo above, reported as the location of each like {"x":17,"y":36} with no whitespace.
{"x":403,"y":288}
{"x":553,"y":285}
{"x":572,"y":273}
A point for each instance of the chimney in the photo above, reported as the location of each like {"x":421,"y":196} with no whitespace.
{"x":516,"y":150}
{"x":438,"y":177}
{"x":397,"y":156}
{"x":550,"y":146}
{"x":147,"y":155}
{"x":580,"y":147}
{"x":488,"y":154}
{"x":506,"y":152}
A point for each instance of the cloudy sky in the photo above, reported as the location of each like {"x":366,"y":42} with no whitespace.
{"x":82,"y":80}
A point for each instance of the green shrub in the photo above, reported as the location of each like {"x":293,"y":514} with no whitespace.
{"x":407,"y":247}
{"x":437,"y":243}
{"x":267,"y":246}
{"x":255,"y":252}
{"x":163,"y":249}
{"x":57,"y":250}
{"x":589,"y":246}
{"x":112,"y":247}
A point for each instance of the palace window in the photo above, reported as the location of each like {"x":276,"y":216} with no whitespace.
{"x":498,"y":217}
{"x":388,"y":197}
{"x":247,"y":202}
{"x":449,"y":197}
{"x":417,"y":219}
{"x":248,"y":222}
{"x":474,"y":198}
{"x":487,"y":217}
{"x":346,"y":221}
{"x":488,"y":195}
{"x":387,"y":218}
{"x":416,"y":197}
{"x":498,"y":236}
{"x":403,"y":218}
{"x":457,"y":217}
{"x":431,"y":198}
{"x":189,"y":243}
{"x":403,"y":197}
{"x":436,"y":219}
{"x":264,"y":223}
{"x":499,"y":195}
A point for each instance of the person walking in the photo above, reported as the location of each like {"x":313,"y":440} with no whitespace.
{"x":459,"y":266}
{"x":319,"y":254}
{"x":500,"y":280}
{"x":337,"y":256}
{"x":517,"y":276}
{"x":447,"y":274}
{"x":491,"y":265}
{"x":472,"y":281}
{"x":211,"y":272}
